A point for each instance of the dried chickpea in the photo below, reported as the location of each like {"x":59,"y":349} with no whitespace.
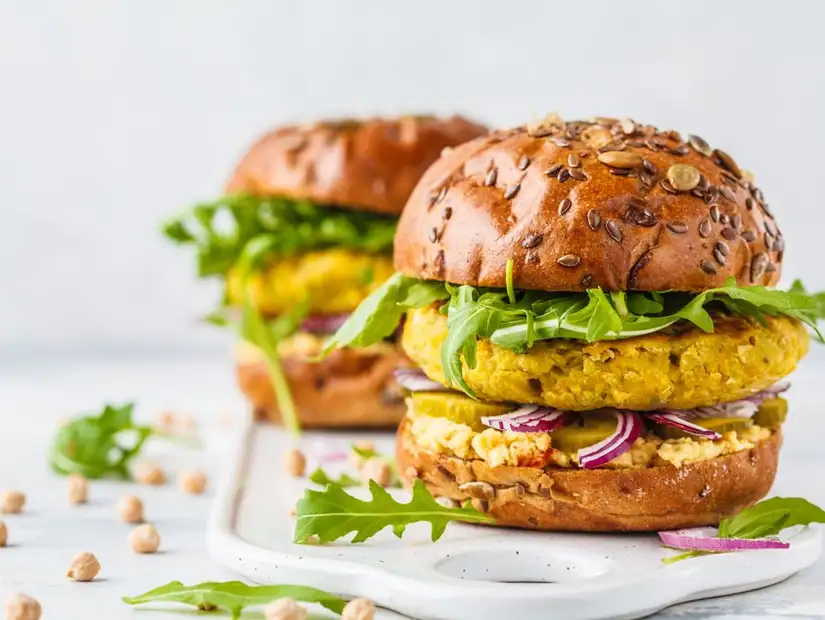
{"x":84,"y":567}
{"x":22,"y":607}
{"x":12,"y":502}
{"x":192,"y":481}
{"x":166,"y":419}
{"x":148,"y":473}
{"x":78,"y":489}
{"x":359,"y":609}
{"x":130,"y":509}
{"x":4,"y":534}
{"x":376,"y":469}
{"x":285,"y":609}
{"x":295,"y":462}
{"x":144,"y":539}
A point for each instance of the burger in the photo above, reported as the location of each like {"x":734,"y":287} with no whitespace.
{"x":302,"y":235}
{"x":597,"y":342}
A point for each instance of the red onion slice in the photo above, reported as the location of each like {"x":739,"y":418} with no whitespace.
{"x":323,"y":324}
{"x":740,"y":409}
{"x":415,"y":380}
{"x":676,"y":420}
{"x":628,"y":430}
{"x":698,"y":539}
{"x":530,"y":419}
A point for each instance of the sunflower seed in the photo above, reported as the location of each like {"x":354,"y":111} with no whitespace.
{"x":705,"y":228}
{"x":723,"y":247}
{"x":613,"y":230}
{"x":587,"y":280}
{"x":729,"y":233}
{"x":749,"y":236}
{"x":699,"y":145}
{"x":594,"y":220}
{"x":564,"y":206}
{"x":723,"y":218}
{"x":627,"y":126}
{"x":523,"y":162}
{"x":441,"y":193}
{"x":577,"y":173}
{"x":770,"y":267}
{"x":649,"y":166}
{"x":569,"y":260}
{"x":532,"y":258}
{"x":448,"y":213}
{"x":779,"y":245}
{"x":749,"y":203}
{"x":553,"y":170}
{"x":532,"y":240}
{"x":512,"y":190}
{"x":491,"y":178}
{"x":714,"y":213}
{"x":640,"y":217}
{"x":708,"y":267}
{"x":562,"y":143}
{"x":770,"y":226}
{"x":720,"y":258}
{"x":564,"y":174}
{"x":573,"y":161}
{"x":736,"y":221}
{"x":621,"y":159}
{"x":758,"y":266}
{"x":665,"y":185}
{"x":681,"y":149}
{"x":726,"y":161}
{"x":727,"y":192}
{"x":432,"y":233}
{"x":683,"y":177}
{"x":680,"y":228}
{"x":478,"y":490}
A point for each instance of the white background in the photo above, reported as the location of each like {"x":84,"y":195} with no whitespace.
{"x":114,"y":114}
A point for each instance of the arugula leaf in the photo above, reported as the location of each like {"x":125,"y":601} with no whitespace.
{"x":771,"y":516}
{"x":101,"y":445}
{"x":332,"y":513}
{"x":234,"y":596}
{"x":223,"y":231}
{"x":379,"y":314}
{"x":319,"y":476}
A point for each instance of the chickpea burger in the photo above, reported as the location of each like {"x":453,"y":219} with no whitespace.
{"x":302,"y":236}
{"x":598,"y":343}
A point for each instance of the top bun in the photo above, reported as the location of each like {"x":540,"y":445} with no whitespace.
{"x":367,"y":165}
{"x":602,"y":203}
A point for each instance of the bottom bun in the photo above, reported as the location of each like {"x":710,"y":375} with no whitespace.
{"x":598,"y":500}
{"x":348,"y":389}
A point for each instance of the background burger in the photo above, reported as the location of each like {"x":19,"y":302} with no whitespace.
{"x":590,"y":308}
{"x":302,"y":235}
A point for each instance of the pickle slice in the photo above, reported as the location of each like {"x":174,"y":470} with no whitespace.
{"x":589,"y":429}
{"x":720,"y":425}
{"x":771,"y":413}
{"x":456,"y":408}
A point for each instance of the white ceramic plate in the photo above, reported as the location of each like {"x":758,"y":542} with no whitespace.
{"x":473,"y":572}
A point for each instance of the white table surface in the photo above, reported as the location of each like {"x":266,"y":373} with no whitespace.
{"x":34,"y":397}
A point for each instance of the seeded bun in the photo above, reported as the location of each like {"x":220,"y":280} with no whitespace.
{"x":598,"y":500}
{"x":351,"y":388}
{"x":367,"y":165}
{"x":603,"y":203}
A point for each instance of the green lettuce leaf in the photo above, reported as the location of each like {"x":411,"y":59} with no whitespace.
{"x":333,"y":513}
{"x":319,"y":476}
{"x":98,"y":446}
{"x":234,"y":596}
{"x":255,"y":228}
{"x":769,"y":517}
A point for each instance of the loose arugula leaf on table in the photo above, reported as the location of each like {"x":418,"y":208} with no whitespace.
{"x":221,"y":230}
{"x":101,"y":445}
{"x":234,"y":596}
{"x":333,"y":513}
{"x":319,"y":476}
{"x":762,"y":520}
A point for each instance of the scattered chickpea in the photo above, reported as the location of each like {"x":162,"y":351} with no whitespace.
{"x":78,"y":489}
{"x":359,"y":609}
{"x":22,"y":607}
{"x":147,"y":473}
{"x":12,"y":502}
{"x":130,"y":509}
{"x":166,"y":419}
{"x":295,"y":462}
{"x":285,"y":609}
{"x":84,"y":567}
{"x":189,"y":422}
{"x":144,"y":539}
{"x":4,"y":534}
{"x":411,"y":473}
{"x":193,"y":481}
{"x":376,"y":469}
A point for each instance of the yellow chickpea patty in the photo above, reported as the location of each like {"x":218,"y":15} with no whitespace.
{"x":678,"y":370}
{"x":509,"y":448}
{"x":334,"y":280}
